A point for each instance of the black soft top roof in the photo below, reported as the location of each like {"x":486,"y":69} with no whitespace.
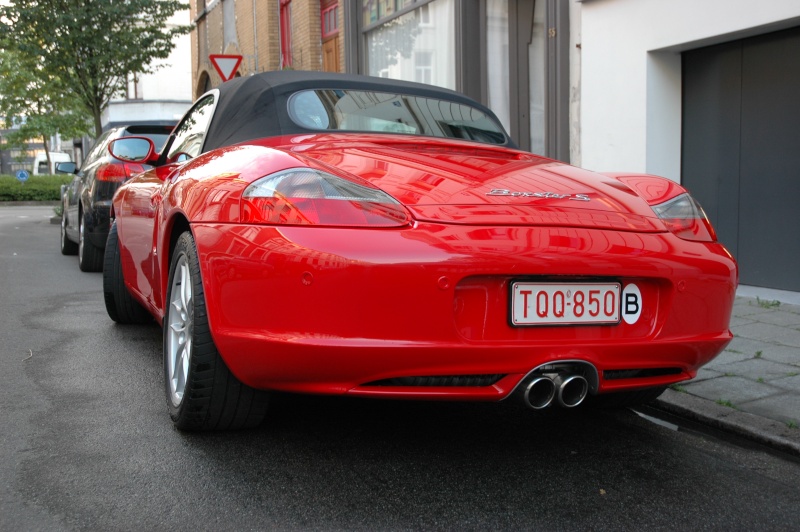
{"x":256,"y":106}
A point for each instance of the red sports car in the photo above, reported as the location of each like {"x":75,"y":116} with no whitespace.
{"x":340,"y":234}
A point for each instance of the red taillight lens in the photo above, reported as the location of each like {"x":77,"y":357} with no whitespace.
{"x":303,"y":196}
{"x":117,"y":172}
{"x":684,"y":217}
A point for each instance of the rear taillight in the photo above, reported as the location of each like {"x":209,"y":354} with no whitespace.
{"x":684,"y":217}
{"x":117,"y":172}
{"x":304,"y":196}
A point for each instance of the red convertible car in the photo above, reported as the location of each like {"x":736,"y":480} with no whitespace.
{"x":340,"y":234}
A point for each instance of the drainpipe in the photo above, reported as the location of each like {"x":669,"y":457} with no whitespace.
{"x":255,"y":37}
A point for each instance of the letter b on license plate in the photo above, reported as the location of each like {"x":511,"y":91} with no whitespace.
{"x":564,"y":303}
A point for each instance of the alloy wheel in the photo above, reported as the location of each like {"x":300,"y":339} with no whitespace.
{"x":180,"y":321}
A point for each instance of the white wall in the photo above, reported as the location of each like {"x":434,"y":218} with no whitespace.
{"x":630,"y":72}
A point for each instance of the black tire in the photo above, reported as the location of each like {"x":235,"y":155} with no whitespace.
{"x":68,"y":247}
{"x":90,"y":258}
{"x":120,"y":305}
{"x":627,"y":399}
{"x":201,"y":392}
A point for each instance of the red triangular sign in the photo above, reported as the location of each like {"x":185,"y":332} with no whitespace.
{"x":226,"y":65}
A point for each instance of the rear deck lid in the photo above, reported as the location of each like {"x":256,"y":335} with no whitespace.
{"x":467,"y":183}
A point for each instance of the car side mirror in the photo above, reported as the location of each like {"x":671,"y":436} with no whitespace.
{"x":133,"y":150}
{"x":66,"y":168}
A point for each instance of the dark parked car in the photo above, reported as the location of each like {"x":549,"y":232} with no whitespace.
{"x":87,"y":200}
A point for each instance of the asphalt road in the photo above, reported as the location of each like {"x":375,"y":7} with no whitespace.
{"x":86,"y":443}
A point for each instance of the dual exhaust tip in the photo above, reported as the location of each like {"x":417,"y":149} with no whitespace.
{"x":566,"y":390}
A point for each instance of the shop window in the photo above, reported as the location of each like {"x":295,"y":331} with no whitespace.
{"x":407,"y":45}
{"x":378,"y":10}
{"x":423,"y":67}
{"x":497,"y":68}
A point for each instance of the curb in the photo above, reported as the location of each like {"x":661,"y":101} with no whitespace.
{"x":751,"y":427}
{"x":53,"y":203}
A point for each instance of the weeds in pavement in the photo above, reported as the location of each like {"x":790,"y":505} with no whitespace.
{"x":767,"y":303}
{"x":725,"y":402}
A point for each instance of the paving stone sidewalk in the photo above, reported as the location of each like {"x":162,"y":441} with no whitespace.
{"x":753,"y":387}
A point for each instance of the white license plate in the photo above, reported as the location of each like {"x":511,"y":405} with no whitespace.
{"x":564,"y":303}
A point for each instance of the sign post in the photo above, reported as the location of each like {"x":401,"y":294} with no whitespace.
{"x":226,"y":65}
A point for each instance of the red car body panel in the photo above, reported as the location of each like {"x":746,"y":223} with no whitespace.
{"x":344,"y":310}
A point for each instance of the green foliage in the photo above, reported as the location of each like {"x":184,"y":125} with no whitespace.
{"x":767,"y":303}
{"x":36,"y":188}
{"x":725,"y":402}
{"x":91,"y":45}
{"x":37,"y":102}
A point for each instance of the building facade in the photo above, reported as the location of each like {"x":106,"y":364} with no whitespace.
{"x":267,"y":34}
{"x":704,"y":93}
{"x":512,"y":55}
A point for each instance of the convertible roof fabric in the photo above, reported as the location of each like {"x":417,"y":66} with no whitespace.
{"x":256,"y":106}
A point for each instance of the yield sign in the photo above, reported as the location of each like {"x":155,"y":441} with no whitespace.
{"x":226,"y":65}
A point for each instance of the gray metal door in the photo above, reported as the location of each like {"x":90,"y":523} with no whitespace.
{"x":741,"y":150}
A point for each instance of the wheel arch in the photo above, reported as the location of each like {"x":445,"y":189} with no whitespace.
{"x":176,"y":226}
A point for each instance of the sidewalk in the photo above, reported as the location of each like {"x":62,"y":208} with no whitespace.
{"x":753,"y":387}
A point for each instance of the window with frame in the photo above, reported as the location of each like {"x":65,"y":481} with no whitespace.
{"x":377,"y":10}
{"x":330,"y":21}
{"x":190,"y":134}
{"x":423,"y":67}
{"x":420,"y":27}
{"x":134,"y":90}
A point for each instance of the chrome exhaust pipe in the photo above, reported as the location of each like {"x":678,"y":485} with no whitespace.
{"x":572,"y":390}
{"x":539,"y":393}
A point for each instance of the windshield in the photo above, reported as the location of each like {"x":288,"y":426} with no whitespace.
{"x":350,"y":110}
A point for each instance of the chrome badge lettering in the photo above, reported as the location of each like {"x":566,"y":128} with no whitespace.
{"x":545,"y":195}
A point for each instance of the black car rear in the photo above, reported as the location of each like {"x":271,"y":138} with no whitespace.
{"x":87,"y":199}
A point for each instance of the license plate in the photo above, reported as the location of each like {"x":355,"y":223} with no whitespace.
{"x":564,"y":303}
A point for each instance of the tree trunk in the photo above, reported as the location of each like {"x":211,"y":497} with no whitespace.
{"x":98,"y":126}
{"x":47,"y":154}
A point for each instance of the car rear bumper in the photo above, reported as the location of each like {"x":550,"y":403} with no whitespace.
{"x":384,"y":312}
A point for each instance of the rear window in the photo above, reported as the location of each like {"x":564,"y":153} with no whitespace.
{"x":158,"y":139}
{"x":158,"y":134}
{"x":350,"y":110}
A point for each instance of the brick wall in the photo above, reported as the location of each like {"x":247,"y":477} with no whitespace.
{"x":258,"y":44}
{"x":306,"y":45}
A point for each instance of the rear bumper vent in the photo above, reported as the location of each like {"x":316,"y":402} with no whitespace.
{"x":618,"y":374}
{"x":443,"y":380}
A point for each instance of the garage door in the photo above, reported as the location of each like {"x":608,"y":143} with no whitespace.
{"x":741,"y":150}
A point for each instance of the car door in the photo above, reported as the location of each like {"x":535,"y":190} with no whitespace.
{"x":139,"y":227}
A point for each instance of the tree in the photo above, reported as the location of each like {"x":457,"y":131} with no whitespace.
{"x":37,"y":102}
{"x":92,"y":45}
